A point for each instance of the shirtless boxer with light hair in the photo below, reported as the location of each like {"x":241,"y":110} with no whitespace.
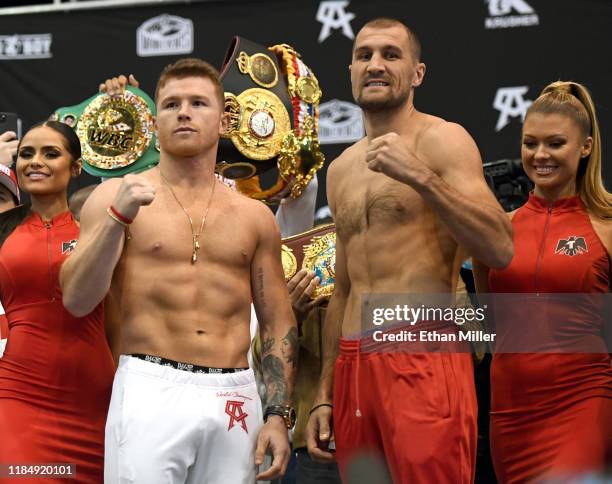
{"x":405,"y":200}
{"x":182,"y":275}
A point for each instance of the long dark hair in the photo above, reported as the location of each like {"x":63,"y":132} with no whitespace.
{"x":10,"y":219}
{"x":73,"y":144}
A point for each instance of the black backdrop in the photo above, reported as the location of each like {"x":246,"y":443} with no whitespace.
{"x":533,"y":42}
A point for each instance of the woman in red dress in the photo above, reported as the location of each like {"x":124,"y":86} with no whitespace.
{"x":57,"y":370}
{"x":551,"y":411}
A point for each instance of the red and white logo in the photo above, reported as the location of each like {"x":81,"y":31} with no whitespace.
{"x":571,"y":246}
{"x":68,"y":247}
{"x":236,"y":415}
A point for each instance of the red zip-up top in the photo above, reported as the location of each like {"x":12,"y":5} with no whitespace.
{"x":551,"y":412}
{"x":57,"y":370}
{"x":543,"y":262}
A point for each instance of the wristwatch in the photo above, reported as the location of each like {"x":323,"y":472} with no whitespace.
{"x":285,"y":411}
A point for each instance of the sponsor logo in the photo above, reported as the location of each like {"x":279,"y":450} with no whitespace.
{"x":571,"y":246}
{"x":502,"y":14}
{"x":333,"y":17}
{"x":233,"y":408}
{"x":340,"y":122}
{"x":68,"y":247}
{"x":153,"y":359}
{"x":510,"y":103}
{"x":165,"y":35}
{"x":28,"y":46}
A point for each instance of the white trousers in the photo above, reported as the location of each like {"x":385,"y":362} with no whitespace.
{"x":168,"y":426}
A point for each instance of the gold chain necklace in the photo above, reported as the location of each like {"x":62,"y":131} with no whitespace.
{"x":195,"y":237}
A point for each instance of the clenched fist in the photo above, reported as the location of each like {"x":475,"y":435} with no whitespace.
{"x":390,"y":154}
{"x":134,"y":192}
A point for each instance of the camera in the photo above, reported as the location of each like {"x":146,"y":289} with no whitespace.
{"x":509,"y":183}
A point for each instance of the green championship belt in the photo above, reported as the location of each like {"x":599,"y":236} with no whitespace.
{"x":116,"y":133}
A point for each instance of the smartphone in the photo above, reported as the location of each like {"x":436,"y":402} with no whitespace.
{"x":10,"y":122}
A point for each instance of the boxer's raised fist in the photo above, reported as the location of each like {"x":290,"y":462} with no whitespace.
{"x":134,"y":192}
{"x":391,"y":155}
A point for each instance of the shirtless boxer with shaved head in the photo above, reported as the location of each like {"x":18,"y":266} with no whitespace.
{"x":182,"y":257}
{"x":406,"y":200}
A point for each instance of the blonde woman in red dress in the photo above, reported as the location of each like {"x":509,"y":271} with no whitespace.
{"x":551,"y":412}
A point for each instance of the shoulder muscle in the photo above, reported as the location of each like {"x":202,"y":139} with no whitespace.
{"x":448,"y":146}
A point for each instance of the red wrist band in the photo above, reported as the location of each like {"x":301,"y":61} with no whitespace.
{"x":121,"y":217}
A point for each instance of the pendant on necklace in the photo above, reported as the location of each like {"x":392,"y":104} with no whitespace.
{"x":196,"y":248}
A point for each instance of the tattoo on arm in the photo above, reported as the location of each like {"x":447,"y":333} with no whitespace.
{"x":260,"y":289}
{"x":266,"y":346}
{"x":274,"y":377}
{"x":289,"y":347}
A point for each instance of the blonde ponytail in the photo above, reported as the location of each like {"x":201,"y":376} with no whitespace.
{"x":574,"y":100}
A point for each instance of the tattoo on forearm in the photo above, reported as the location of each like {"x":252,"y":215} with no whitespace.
{"x":289,"y":347}
{"x":266,"y":346}
{"x":260,"y":289}
{"x":274,"y":377}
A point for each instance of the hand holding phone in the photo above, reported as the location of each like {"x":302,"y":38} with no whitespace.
{"x":8,"y":147}
{"x":10,"y":122}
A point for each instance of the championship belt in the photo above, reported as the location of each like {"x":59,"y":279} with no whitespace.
{"x":116,"y":133}
{"x":272,"y":100}
{"x":315,"y":251}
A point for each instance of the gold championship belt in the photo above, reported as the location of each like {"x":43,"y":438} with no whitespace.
{"x":116,"y":133}
{"x":272,"y":100}
{"x":315,"y":251}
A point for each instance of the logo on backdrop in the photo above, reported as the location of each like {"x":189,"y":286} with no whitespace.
{"x":165,"y":35}
{"x":333,"y":17}
{"x":340,"y":122}
{"x":502,"y":14}
{"x":30,"y":46}
{"x":510,"y":103}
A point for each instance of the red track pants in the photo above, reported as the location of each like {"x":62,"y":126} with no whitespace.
{"x":416,"y":410}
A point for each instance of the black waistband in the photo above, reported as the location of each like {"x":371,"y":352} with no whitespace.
{"x":185,"y":366}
